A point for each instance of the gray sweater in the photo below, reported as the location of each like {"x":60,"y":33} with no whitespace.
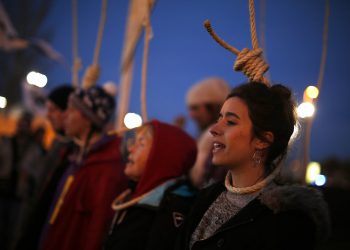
{"x":221,"y":210}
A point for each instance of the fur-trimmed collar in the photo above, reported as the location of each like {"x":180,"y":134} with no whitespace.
{"x":300,"y":198}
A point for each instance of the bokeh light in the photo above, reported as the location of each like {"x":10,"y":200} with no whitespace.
{"x":37,"y":79}
{"x":132,"y":120}
{"x":305,"y":110}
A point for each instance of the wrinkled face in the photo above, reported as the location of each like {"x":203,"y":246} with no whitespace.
{"x":233,"y":142}
{"x":55,"y":115}
{"x":138,"y":154}
{"x":200,"y":115}
{"x":75,"y":123}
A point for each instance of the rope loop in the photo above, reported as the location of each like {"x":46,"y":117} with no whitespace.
{"x":252,"y":64}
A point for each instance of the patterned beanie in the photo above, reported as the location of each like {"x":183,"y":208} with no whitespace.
{"x":95,"y":104}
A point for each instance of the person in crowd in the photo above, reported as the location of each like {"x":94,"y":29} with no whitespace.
{"x":150,"y":213}
{"x":17,"y":154}
{"x":52,"y":168}
{"x":81,"y":209}
{"x":252,"y":209}
{"x":204,"y":101}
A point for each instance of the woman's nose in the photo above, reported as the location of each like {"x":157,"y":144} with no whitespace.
{"x":215,"y":129}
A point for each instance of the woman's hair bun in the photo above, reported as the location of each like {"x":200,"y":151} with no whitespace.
{"x":282,"y":91}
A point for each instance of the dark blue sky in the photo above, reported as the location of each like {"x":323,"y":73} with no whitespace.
{"x":181,"y":53}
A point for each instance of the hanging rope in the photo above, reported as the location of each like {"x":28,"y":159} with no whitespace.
{"x":76,"y":60}
{"x":324,"y":47}
{"x":308,"y":126}
{"x":252,"y":25}
{"x":126,"y":80}
{"x":92,"y":73}
{"x":147,"y":39}
{"x":250,"y":62}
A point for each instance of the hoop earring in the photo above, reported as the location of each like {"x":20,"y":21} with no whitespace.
{"x":257,"y":158}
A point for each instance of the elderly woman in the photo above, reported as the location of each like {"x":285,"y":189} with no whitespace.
{"x":150,"y":213}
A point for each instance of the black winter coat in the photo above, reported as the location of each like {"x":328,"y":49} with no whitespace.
{"x":152,"y":228}
{"x":281,"y":218}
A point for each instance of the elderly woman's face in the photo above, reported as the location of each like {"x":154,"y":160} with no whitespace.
{"x":138,"y":154}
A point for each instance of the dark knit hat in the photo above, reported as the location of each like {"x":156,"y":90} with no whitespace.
{"x":95,"y":104}
{"x":59,"y":96}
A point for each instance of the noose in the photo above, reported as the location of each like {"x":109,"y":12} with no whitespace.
{"x":250,"y":62}
{"x":92,"y":73}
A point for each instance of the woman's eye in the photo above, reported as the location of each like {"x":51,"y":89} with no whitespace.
{"x":230,"y":123}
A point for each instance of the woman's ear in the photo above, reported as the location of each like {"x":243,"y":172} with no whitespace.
{"x":261,"y":144}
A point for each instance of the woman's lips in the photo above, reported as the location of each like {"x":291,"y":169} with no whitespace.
{"x":130,"y":160}
{"x":217,"y":146}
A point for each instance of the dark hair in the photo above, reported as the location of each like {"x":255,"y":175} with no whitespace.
{"x":60,"y":95}
{"x":270,"y":109}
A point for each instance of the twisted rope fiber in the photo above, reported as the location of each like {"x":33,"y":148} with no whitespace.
{"x":252,"y":189}
{"x":119,"y":204}
{"x":93,"y":71}
{"x":252,"y":25}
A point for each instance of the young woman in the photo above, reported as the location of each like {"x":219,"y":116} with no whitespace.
{"x":251,"y":210}
{"x":150,"y":214}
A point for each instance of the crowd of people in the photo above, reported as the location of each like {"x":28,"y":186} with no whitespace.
{"x":167,"y":190}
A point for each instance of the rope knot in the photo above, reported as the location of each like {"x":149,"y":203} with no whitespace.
{"x":92,"y":73}
{"x":251,"y":63}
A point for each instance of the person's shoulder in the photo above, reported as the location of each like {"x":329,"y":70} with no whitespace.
{"x":298,"y":205}
{"x":182,"y":187}
{"x":111,"y":141}
{"x":207,"y":195}
{"x":213,"y":189}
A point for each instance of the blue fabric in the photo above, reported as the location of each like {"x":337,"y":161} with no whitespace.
{"x":184,"y":191}
{"x":154,"y":198}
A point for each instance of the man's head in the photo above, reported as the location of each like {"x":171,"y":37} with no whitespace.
{"x":56,"y":106}
{"x":88,"y":109}
{"x":205,"y":99}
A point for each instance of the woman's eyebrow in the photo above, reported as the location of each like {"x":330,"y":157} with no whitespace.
{"x":228,"y":114}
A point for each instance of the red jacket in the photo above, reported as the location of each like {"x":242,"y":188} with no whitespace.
{"x":84,"y":217}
